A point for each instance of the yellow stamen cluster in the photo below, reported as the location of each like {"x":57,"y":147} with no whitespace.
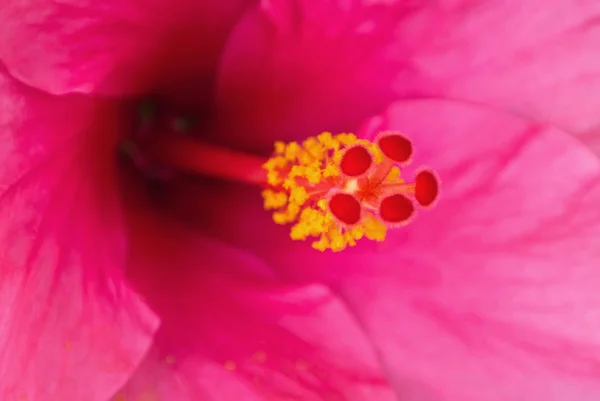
{"x":301,"y":174}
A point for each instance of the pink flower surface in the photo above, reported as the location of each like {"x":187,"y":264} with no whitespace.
{"x":118,"y":286}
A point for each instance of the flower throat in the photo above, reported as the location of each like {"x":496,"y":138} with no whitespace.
{"x":333,"y":189}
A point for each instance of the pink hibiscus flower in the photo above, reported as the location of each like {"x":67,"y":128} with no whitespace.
{"x":123,"y":278}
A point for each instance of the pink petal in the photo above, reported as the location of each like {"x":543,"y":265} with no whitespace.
{"x":501,"y":278}
{"x":490,"y":296}
{"x":230,"y":330}
{"x":114,"y":46}
{"x":70,"y":327}
{"x":533,"y":58}
{"x":307,"y":66}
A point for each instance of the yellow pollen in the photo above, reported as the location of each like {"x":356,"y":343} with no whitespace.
{"x":302,"y":176}
{"x":394,"y":175}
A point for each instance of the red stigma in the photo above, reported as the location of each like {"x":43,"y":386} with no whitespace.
{"x":396,"y":147}
{"x":426,"y":188}
{"x":346,"y":208}
{"x":396,"y":209}
{"x":356,"y":161}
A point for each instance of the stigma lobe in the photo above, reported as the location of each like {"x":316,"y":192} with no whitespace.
{"x":356,"y":161}
{"x":345,"y":208}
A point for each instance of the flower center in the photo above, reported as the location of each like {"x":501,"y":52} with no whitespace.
{"x":339,"y":189}
{"x":335,"y":189}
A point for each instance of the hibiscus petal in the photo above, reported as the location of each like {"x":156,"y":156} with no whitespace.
{"x":532,"y":57}
{"x":501,"y":278}
{"x":230,"y":330}
{"x":308,"y":66}
{"x":70,"y":327}
{"x":113,"y":46}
